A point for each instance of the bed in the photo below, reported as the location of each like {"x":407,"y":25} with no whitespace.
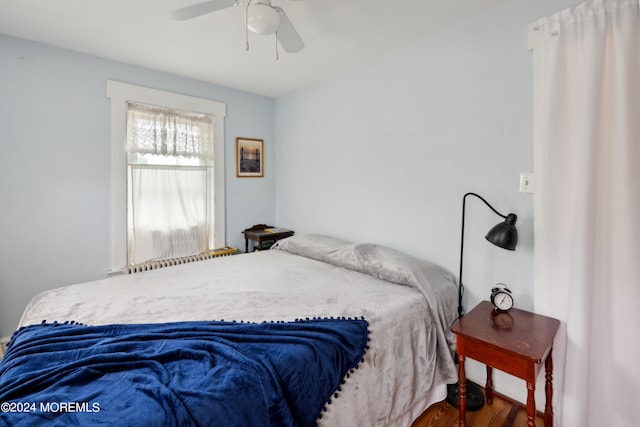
{"x":405,"y":304}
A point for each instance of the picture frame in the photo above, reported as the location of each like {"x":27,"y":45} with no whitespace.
{"x":249,"y":158}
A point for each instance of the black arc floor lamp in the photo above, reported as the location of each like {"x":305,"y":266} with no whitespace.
{"x":503,"y":235}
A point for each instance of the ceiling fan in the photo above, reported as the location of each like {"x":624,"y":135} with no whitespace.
{"x":261,"y":18}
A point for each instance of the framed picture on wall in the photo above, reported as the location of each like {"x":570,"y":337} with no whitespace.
{"x":249,"y":158}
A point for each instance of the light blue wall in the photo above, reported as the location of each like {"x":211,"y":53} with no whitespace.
{"x":55,"y":165}
{"x":384,"y":152}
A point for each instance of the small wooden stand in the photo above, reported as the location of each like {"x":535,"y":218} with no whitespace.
{"x":263,"y":235}
{"x":516,"y":342}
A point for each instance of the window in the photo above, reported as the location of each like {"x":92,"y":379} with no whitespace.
{"x":167,"y":187}
{"x":170,"y":155}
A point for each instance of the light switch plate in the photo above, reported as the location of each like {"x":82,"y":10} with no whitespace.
{"x":526,"y":182}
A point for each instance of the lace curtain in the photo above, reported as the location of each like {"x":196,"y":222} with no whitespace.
{"x":587,"y":238}
{"x":155,"y":130}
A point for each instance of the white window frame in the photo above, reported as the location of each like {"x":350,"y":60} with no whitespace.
{"x":120,"y":94}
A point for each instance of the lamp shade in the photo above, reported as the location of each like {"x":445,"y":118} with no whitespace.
{"x":262,"y":19}
{"x":505,"y":234}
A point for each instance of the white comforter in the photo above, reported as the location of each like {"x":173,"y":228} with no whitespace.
{"x":406,"y":356}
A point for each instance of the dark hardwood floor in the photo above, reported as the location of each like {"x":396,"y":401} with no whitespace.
{"x":501,"y":413}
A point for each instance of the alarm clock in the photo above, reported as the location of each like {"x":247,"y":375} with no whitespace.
{"x":501,"y":297}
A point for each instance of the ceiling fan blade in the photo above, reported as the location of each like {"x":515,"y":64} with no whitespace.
{"x":287,"y":34}
{"x":200,"y":9}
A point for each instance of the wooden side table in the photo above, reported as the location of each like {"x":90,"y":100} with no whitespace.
{"x":516,"y":342}
{"x":264,"y":234}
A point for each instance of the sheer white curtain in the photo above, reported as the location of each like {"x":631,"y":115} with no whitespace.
{"x":168,"y":213}
{"x":169,"y":177}
{"x":587,"y":219}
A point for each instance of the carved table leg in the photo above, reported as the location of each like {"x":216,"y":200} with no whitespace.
{"x":462,"y":393}
{"x":531,"y":404}
{"x":548,"y":388}
{"x":488,"y":389}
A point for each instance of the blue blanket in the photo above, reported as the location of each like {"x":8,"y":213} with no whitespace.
{"x":177,"y":374}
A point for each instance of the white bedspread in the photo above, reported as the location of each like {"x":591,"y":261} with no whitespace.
{"x":400,"y":367}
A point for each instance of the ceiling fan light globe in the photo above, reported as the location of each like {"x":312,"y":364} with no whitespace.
{"x":262,"y":19}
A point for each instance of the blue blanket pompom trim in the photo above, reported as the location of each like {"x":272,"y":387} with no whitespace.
{"x":351,"y":359}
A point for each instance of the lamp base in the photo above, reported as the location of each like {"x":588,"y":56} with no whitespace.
{"x":475,"y":396}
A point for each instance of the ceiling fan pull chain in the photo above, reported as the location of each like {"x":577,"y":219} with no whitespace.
{"x":246,"y":26}
{"x":276,"y":40}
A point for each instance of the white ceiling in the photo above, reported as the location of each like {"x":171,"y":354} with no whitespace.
{"x":211,"y":48}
